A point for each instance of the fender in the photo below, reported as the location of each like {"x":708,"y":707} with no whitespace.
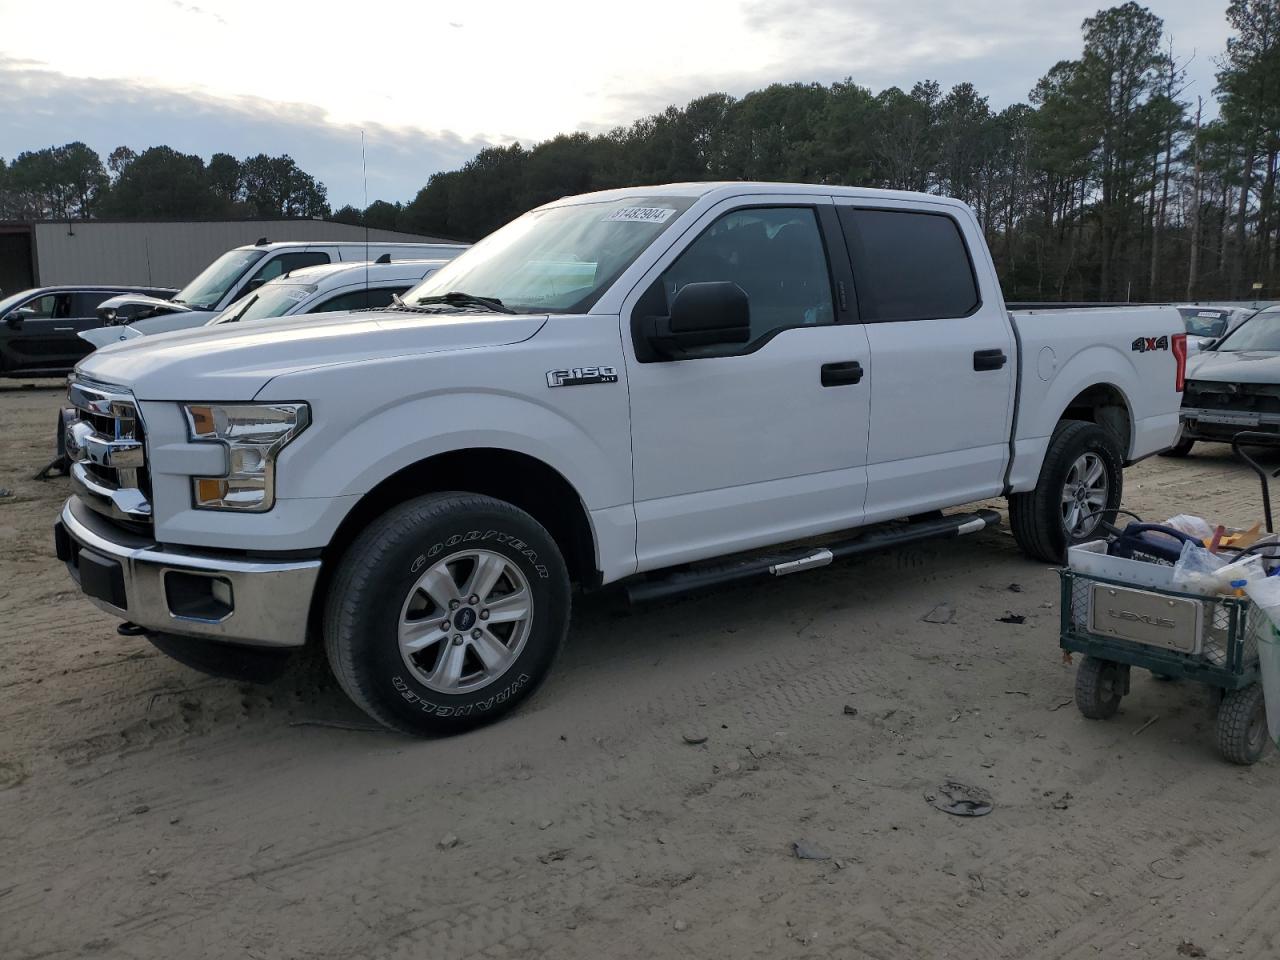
{"x":1043,"y":404}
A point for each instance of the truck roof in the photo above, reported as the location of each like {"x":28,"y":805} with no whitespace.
{"x":738,"y":188}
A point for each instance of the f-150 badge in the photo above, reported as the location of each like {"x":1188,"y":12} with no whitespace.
{"x":1143,"y":344}
{"x":580,"y":376}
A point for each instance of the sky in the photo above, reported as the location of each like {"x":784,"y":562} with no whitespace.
{"x":432,"y":83}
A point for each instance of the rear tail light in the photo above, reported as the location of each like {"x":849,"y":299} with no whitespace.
{"x":1179,"y":341}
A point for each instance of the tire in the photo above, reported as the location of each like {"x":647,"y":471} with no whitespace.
{"x":1037,"y":517}
{"x":1180,"y":449}
{"x":1242,"y":726}
{"x":1099,"y":688}
{"x":422,"y":565}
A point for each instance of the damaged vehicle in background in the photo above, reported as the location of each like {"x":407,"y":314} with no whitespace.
{"x":1233,"y":386}
{"x":1206,"y":324}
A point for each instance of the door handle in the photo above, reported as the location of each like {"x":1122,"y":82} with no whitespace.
{"x":840,"y":374}
{"x":989,"y":359}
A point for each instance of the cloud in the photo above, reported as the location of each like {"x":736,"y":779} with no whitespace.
{"x":197,"y":11}
{"x":1002,"y":48}
{"x":39,"y":107}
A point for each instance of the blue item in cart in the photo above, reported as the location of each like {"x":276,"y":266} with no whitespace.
{"x":1149,"y":541}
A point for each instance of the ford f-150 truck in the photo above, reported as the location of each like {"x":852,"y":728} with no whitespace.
{"x":628,"y":385}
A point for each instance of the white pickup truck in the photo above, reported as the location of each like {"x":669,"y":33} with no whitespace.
{"x":634,"y":384}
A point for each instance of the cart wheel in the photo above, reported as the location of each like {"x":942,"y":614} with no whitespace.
{"x":1242,"y":725}
{"x":1099,"y":688}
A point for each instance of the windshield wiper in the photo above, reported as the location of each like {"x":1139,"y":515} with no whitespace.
{"x":456,"y":298}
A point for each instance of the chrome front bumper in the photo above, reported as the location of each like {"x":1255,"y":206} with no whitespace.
{"x":173,"y":590}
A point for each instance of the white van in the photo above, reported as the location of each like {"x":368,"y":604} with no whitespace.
{"x":328,"y":288}
{"x":243,"y":270}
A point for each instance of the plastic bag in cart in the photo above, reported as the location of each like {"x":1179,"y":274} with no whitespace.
{"x":1208,"y":574}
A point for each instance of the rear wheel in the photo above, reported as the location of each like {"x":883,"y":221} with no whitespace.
{"x":1242,"y":725}
{"x":1181,"y":448}
{"x":1080,"y":484}
{"x":446,"y":612}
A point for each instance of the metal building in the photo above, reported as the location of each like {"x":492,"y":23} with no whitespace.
{"x":155,"y":253}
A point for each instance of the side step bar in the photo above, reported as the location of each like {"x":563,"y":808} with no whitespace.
{"x":809,"y":558}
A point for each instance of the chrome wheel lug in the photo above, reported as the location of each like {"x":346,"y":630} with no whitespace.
{"x":484,"y":614}
{"x":457,"y":639}
{"x":473,"y":599}
{"x":475,"y":634}
{"x":454,"y":604}
{"x":445,"y":626}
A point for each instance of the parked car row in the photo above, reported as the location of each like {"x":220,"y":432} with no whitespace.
{"x":47,"y":330}
{"x":330,"y":288}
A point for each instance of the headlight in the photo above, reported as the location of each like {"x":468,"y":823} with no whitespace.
{"x":254,"y":434}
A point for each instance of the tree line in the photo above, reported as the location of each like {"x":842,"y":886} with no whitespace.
{"x":1108,"y":184}
{"x":73,"y":182}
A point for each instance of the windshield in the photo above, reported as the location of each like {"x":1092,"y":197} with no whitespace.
{"x":204,"y":292}
{"x":273,"y":299}
{"x":559,"y":260}
{"x":1204,"y":323}
{"x":1262,"y":332}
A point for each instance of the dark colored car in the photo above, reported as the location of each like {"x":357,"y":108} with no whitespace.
{"x":39,"y":328}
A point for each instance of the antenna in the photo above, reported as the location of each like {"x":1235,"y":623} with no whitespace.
{"x":364,"y":173}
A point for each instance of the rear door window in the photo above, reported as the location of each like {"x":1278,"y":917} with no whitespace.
{"x":285,"y":262}
{"x":85,"y":305}
{"x":909,"y":265}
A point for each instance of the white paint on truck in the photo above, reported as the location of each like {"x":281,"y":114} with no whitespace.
{"x":667,"y":434}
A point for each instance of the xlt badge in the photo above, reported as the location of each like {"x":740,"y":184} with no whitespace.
{"x":580,"y":376}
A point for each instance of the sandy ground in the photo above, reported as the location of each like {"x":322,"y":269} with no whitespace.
{"x":148,"y":811}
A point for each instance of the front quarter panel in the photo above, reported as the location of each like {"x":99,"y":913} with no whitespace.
{"x":371,"y":419}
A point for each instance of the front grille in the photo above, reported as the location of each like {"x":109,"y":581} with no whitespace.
{"x":1242,"y":397}
{"x":109,"y":465}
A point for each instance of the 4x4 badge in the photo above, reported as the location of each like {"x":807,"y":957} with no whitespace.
{"x":579,"y":376}
{"x":1143,"y":344}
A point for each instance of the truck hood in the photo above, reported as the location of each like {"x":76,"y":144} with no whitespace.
{"x":231,"y":362}
{"x":1236,"y":366}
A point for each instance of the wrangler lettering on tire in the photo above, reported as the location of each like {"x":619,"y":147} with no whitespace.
{"x":446,"y":612}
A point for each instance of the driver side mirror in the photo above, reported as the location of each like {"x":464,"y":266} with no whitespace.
{"x":702,"y":315}
{"x":15,"y":317}
{"x":253,"y":285}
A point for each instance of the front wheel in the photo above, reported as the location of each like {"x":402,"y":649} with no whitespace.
{"x":1080,"y":484}
{"x":1100,"y":686}
{"x":446,"y":612}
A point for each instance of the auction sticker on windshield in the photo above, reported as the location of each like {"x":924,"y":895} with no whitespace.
{"x":641,"y":214}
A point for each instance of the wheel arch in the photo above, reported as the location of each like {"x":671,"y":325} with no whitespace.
{"x":517,"y":478}
{"x":1106,"y":405}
